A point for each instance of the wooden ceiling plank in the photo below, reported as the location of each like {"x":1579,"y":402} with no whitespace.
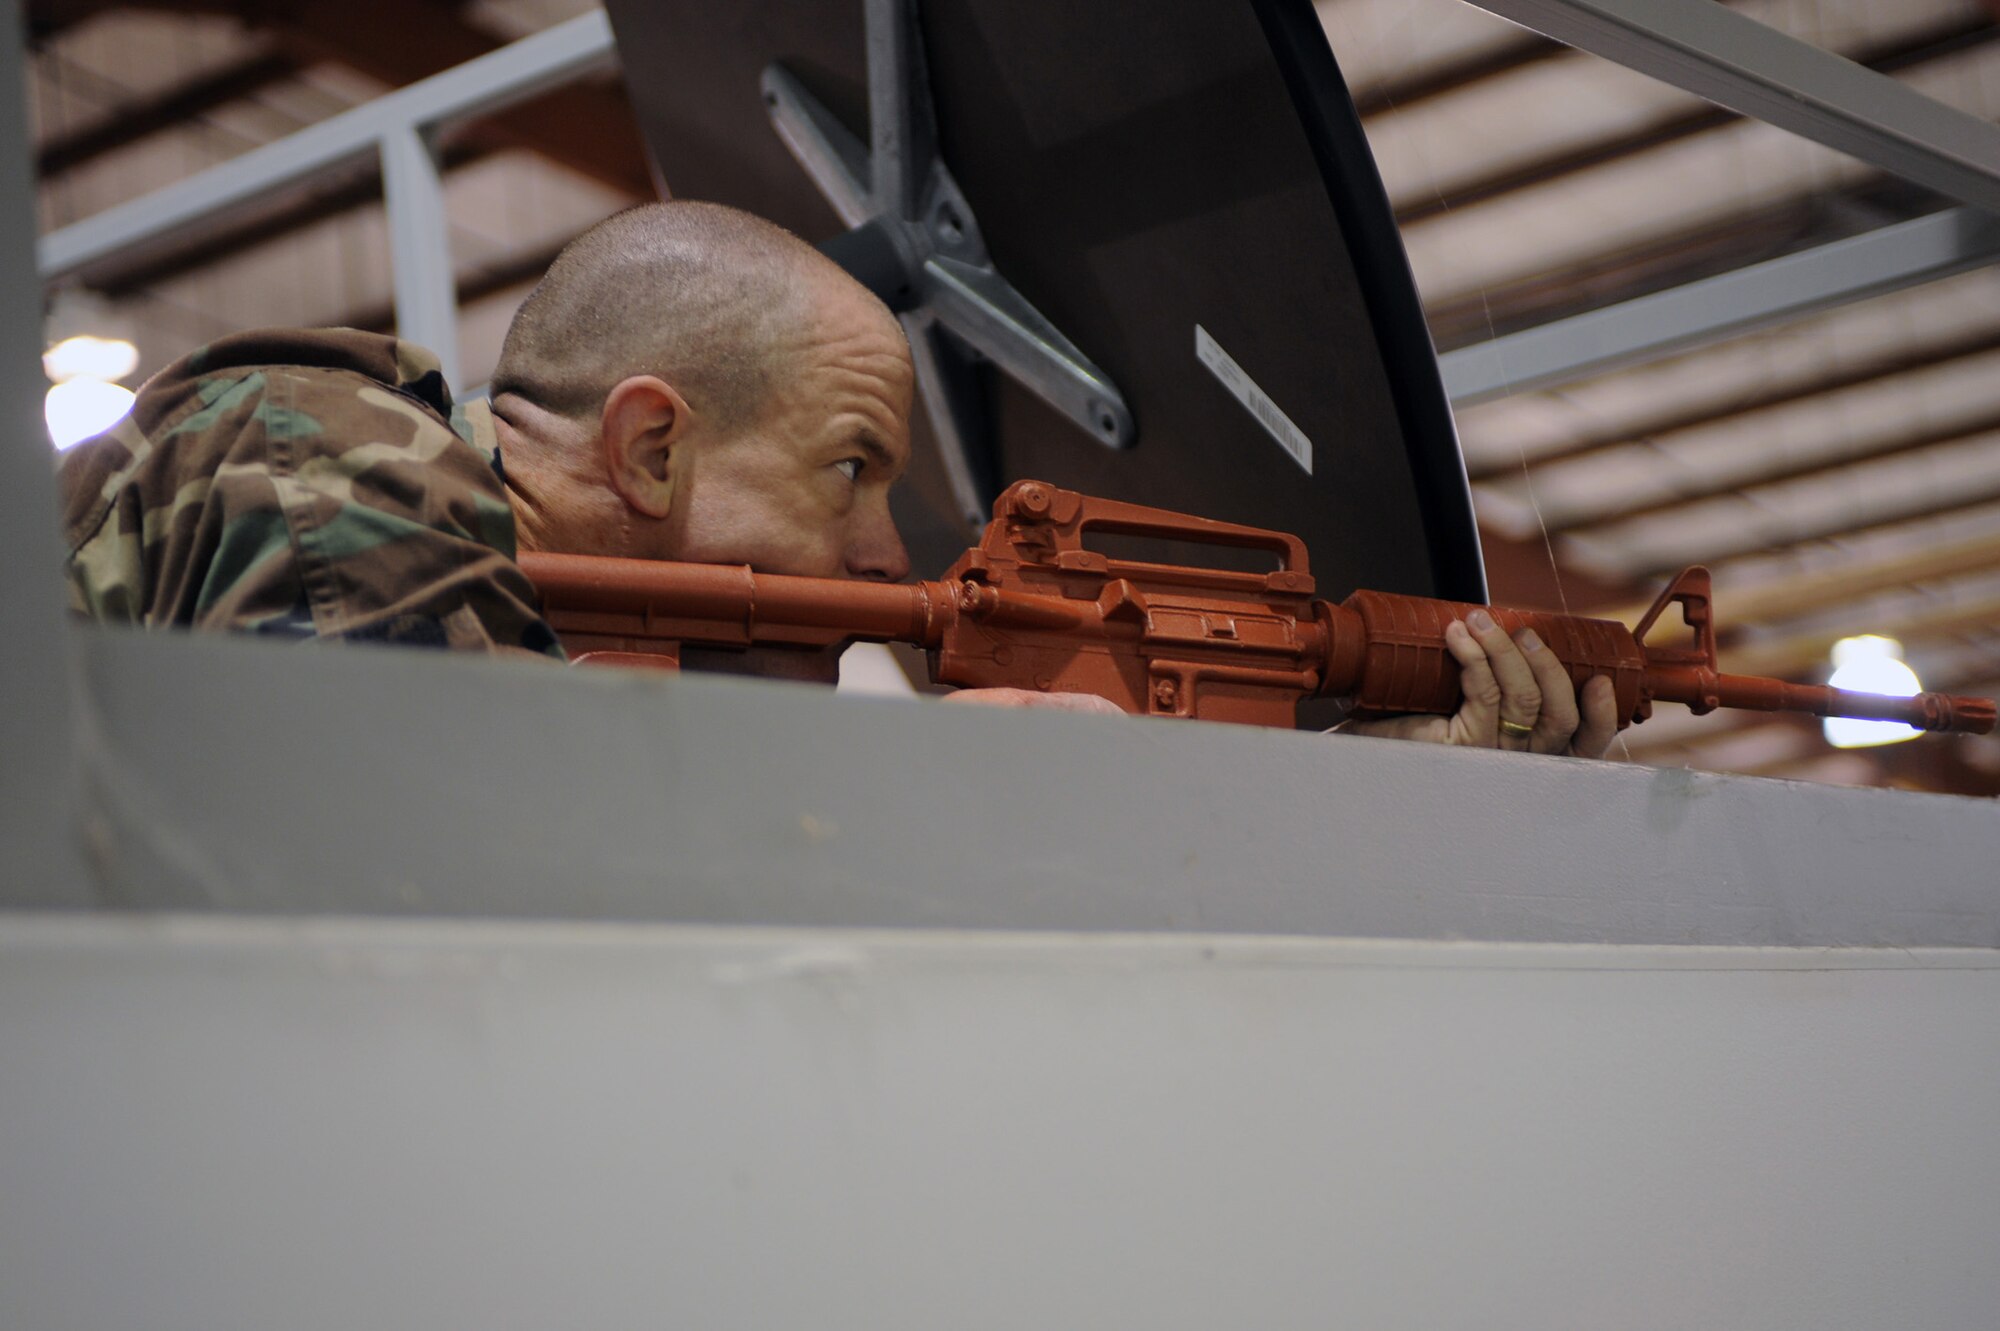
{"x":48,"y":19}
{"x":1401,"y":94}
{"x":1852,"y":502}
{"x":1650,"y":200}
{"x":1791,"y":656}
{"x":1819,"y":590}
{"x":1585,"y":283}
{"x":1781,"y":471}
{"x":1748,"y":371}
{"x":1951,"y":37}
{"x":1875,"y":370}
{"x":166,"y":111}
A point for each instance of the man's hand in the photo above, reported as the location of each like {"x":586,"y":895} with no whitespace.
{"x":1516,"y":681}
{"x":1054,"y":702}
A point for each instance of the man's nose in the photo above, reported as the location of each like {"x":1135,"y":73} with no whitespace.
{"x":877,"y":551}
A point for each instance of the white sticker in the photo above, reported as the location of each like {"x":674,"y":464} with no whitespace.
{"x":1224,"y":367}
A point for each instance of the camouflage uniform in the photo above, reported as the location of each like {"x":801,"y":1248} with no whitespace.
{"x":301,"y":484}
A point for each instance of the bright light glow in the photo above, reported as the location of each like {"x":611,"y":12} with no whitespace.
{"x":870,"y":668}
{"x":86,"y":357}
{"x":1870,"y":664}
{"x":80,"y":408}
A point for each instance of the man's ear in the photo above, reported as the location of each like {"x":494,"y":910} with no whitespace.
{"x":644,"y":421}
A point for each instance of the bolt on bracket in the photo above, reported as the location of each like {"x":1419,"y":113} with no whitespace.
{"x":914,"y":241}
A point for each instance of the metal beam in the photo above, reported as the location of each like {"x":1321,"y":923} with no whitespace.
{"x":1716,"y":53}
{"x":512,"y":74}
{"x":420,"y":246}
{"x":120,"y":275}
{"x":588,"y":127}
{"x":1936,"y":42}
{"x":1767,"y":293}
{"x":1582,"y":282}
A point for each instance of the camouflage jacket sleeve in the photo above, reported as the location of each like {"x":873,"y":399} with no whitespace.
{"x":304,"y":484}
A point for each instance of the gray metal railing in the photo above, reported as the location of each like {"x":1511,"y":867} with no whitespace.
{"x":398,"y":129}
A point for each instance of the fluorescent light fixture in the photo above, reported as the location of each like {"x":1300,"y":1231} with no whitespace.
{"x":1870,"y":664}
{"x":88,"y":357}
{"x":80,"y":408}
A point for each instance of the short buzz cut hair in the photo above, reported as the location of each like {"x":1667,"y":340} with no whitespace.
{"x":700,"y":294}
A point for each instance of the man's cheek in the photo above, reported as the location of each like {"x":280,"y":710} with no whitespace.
{"x":829,"y":554}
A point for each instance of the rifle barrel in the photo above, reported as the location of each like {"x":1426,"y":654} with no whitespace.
{"x":741,"y":605}
{"x":1702,"y":689}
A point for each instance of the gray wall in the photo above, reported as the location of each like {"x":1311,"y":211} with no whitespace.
{"x":214,"y":1124}
{"x":37,"y":824}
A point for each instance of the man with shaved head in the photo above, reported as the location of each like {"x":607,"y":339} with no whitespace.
{"x":688,"y":382}
{"x":691,"y":382}
{"x":704,"y":289}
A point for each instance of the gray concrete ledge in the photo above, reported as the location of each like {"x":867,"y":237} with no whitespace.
{"x":225,"y":774}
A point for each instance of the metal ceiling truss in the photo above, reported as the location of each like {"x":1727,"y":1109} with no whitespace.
{"x":1763,"y":294}
{"x":1720,"y":55}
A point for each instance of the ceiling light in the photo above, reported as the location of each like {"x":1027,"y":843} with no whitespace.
{"x":1870,"y":664}
{"x":88,"y":357}
{"x":80,"y":408}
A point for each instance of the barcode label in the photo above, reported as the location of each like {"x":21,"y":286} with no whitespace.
{"x":1224,"y":367}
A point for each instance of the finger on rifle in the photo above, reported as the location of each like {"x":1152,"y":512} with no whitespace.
{"x":1520,"y":694}
{"x":1031,"y":698}
{"x":1558,"y":719}
{"x":1479,"y":713}
{"x":1600,"y":718}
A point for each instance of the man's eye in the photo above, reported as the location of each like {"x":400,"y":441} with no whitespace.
{"x":850,"y":468}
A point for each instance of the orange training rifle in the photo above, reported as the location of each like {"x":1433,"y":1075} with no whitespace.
{"x":1031,"y":607}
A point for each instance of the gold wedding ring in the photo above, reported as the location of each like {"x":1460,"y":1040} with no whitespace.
{"x":1515,"y":728}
